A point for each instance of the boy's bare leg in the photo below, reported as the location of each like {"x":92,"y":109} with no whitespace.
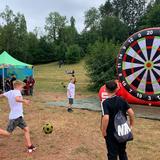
{"x":4,"y":133}
{"x":27,"y":136}
{"x":69,"y":105}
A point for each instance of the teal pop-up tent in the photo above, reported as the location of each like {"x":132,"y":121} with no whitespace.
{"x":9,"y":66}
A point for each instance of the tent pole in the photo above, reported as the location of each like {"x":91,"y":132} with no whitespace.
{"x":3,"y":79}
{"x":33,"y":71}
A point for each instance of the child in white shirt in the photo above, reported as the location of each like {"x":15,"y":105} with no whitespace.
{"x":71,"y":94}
{"x":16,"y":119}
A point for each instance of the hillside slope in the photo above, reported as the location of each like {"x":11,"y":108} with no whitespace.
{"x":49,"y":77}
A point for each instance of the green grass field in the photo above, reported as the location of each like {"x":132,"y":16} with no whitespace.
{"x":76,"y":136}
{"x":49,"y":77}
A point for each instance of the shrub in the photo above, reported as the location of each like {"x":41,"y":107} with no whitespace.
{"x":101,"y":63}
{"x":73,"y":54}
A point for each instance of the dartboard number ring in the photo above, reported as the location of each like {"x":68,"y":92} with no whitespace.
{"x":138,"y":64}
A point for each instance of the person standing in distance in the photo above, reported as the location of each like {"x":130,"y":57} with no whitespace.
{"x":13,"y":78}
{"x":71,"y":94}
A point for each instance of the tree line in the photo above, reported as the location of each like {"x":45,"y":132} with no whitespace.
{"x":108,"y":27}
{"x":59,"y":43}
{"x":114,"y":21}
{"x":105,"y":27}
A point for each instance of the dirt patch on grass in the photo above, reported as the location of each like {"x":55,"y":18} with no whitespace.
{"x":148,"y":112}
{"x":76,"y":135}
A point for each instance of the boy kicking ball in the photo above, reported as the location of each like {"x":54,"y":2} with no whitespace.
{"x":16,"y":102}
{"x":71,"y":93}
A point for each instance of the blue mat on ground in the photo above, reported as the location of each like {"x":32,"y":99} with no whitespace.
{"x":92,"y":104}
{"x":87,"y":103}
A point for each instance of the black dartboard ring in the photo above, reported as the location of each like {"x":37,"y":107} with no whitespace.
{"x":138,"y":64}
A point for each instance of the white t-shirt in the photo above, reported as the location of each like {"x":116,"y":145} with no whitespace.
{"x":16,"y":107}
{"x":71,"y":90}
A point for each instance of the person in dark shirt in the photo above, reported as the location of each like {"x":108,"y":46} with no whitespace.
{"x":31,"y":85}
{"x":27,"y":86}
{"x":1,"y":83}
{"x":7,"y":85}
{"x":13,"y":78}
{"x":110,"y":107}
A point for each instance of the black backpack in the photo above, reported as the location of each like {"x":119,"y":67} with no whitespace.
{"x":122,"y":130}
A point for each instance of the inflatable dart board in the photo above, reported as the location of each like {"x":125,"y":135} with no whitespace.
{"x":138,"y":66}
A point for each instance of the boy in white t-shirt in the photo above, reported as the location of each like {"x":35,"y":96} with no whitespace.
{"x":71,"y":94}
{"x":16,"y":101}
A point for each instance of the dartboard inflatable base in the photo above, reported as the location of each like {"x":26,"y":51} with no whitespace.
{"x":138,"y":67}
{"x":122,"y":92}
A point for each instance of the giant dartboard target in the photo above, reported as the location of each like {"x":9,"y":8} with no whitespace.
{"x":139,"y":64}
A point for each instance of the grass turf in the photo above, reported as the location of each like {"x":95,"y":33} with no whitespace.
{"x":76,"y":136}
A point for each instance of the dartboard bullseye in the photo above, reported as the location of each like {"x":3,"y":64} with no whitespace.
{"x":139,"y":64}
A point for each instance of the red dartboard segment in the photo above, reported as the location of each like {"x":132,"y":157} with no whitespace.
{"x":139,"y":64}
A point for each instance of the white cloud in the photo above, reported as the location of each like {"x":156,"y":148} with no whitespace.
{"x":36,"y":11}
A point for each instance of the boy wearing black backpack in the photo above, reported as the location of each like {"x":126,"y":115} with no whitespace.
{"x":115,"y":128}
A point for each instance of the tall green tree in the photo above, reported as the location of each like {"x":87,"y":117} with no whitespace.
{"x":92,"y":19}
{"x":107,"y":9}
{"x":7,"y":16}
{"x":21,"y":36}
{"x":8,"y":41}
{"x":69,"y":33}
{"x":114,"y":29}
{"x":100,"y":63}
{"x":14,"y":34}
{"x":54,"y":25}
{"x":129,"y":11}
{"x":72,"y":22}
{"x":151,"y":18}
{"x":32,"y":50}
{"x":91,"y":33}
{"x":73,"y":54}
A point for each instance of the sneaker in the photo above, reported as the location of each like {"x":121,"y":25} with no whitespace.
{"x":31,"y":148}
{"x":70,"y":110}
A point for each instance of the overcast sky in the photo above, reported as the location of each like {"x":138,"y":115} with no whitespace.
{"x":36,"y":11}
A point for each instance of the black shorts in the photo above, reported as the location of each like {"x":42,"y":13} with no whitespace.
{"x":70,"y":100}
{"x":13,"y":123}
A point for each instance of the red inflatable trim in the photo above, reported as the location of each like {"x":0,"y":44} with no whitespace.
{"x":122,"y":92}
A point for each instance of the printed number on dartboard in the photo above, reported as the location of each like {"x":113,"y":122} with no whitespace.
{"x":149,"y":32}
{"x":139,"y":95}
{"x":149,"y":98}
{"x":124,"y":83}
{"x":130,"y":40}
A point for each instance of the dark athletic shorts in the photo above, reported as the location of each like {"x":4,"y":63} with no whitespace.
{"x":70,"y":100}
{"x":13,"y":123}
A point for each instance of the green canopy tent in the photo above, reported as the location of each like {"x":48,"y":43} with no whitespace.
{"x":10,"y":65}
